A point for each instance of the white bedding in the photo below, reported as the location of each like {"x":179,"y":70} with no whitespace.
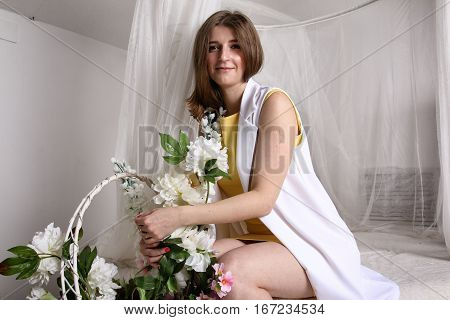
{"x":421,"y":267}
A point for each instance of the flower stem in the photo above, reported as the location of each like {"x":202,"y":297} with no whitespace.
{"x":48,"y":255}
{"x":207,"y":192}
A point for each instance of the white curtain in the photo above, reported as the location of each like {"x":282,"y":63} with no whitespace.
{"x":364,"y":82}
{"x":443,"y":112}
{"x":158,"y":78}
{"x":365,"y":87}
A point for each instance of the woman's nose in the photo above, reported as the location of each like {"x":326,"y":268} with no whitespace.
{"x":224,"y":54}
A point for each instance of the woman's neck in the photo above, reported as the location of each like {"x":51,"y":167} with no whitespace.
{"x":232,"y":97}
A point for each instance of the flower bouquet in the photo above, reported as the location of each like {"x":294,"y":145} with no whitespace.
{"x":188,"y":271}
{"x":42,"y":257}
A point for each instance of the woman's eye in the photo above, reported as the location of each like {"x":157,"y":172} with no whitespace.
{"x":235,"y":46}
{"x":211,"y":48}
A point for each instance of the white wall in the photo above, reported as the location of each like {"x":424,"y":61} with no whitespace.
{"x":58,"y":122}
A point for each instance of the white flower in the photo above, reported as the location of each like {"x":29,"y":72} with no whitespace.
{"x":182,"y":277}
{"x":169,"y":188}
{"x":47,"y":267}
{"x":48,"y":242}
{"x":202,"y":150}
{"x":121,"y":166}
{"x":100,"y":276}
{"x":198,"y":261}
{"x":177,"y":233}
{"x":193,"y":241}
{"x":175,"y":189}
{"x":37,"y":293}
{"x":184,"y":232}
{"x":197,"y":195}
{"x":201,"y":240}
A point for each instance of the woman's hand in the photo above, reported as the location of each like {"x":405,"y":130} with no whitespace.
{"x":152,"y":253}
{"x":158,"y":223}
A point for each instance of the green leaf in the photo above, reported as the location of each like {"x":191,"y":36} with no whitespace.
{"x":66,"y":245}
{"x":209,"y":164}
{"x":146,"y":282}
{"x":166,"y":266}
{"x":157,"y":289}
{"x":178,"y":267}
{"x":65,"y":249}
{"x":90,"y":260}
{"x":83,"y":258}
{"x":25,"y":267}
{"x":172,"y":284}
{"x":179,"y":255}
{"x":31,"y":268}
{"x":184,"y":142}
{"x":23,"y":252}
{"x":174,"y":241}
{"x":80,"y":233}
{"x":11,"y":266}
{"x":170,"y":145}
{"x":209,"y":178}
{"x":173,"y":159}
{"x":142,"y":293}
{"x":216,"y":172}
{"x":48,"y":296}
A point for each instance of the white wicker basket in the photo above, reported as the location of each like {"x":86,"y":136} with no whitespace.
{"x":71,"y":263}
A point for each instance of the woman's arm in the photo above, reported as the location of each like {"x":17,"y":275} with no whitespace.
{"x":273,"y":154}
{"x":243,"y":206}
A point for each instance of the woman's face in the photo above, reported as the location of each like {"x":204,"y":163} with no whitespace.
{"x":225,"y":58}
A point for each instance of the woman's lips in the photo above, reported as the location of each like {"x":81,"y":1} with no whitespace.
{"x":224,"y":69}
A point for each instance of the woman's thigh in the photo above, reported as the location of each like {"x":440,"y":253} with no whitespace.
{"x":270,"y":266}
{"x":222,"y":246}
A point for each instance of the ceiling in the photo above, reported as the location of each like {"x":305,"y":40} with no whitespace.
{"x":110,"y":21}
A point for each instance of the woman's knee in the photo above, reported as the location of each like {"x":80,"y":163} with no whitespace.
{"x":223,"y":246}
{"x":235,"y":262}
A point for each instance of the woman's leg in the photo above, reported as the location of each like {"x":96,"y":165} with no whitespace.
{"x":264,"y":270}
{"x":224,"y":245}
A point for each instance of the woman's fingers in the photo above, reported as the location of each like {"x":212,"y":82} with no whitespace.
{"x":154,"y":252}
{"x":150,"y":241}
{"x":146,"y":245}
{"x":154,"y":259}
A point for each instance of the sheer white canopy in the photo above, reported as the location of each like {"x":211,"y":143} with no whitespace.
{"x":371,"y":83}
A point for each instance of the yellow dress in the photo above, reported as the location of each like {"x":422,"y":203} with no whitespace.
{"x":232,"y":187}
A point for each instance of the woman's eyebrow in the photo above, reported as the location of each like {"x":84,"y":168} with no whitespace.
{"x":233,"y":40}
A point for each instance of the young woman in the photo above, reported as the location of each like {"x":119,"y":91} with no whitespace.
{"x":294,"y":244}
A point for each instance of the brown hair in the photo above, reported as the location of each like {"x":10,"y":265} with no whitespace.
{"x":206,"y":92}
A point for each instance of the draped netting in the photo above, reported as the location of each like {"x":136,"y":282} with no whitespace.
{"x":371,"y":84}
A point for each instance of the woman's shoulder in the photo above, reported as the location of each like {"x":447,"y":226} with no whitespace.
{"x":272,"y":90}
{"x":277,"y":95}
{"x":276,"y":103}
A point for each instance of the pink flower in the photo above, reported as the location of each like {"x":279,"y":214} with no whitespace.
{"x":223,"y":284}
{"x":226,"y":281}
{"x":218,"y":269}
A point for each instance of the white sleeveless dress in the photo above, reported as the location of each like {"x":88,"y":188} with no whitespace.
{"x":305,"y":219}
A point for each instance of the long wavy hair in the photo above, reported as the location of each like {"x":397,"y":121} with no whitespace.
{"x":206,"y":93}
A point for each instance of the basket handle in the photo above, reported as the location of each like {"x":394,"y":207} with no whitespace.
{"x":71,"y":263}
